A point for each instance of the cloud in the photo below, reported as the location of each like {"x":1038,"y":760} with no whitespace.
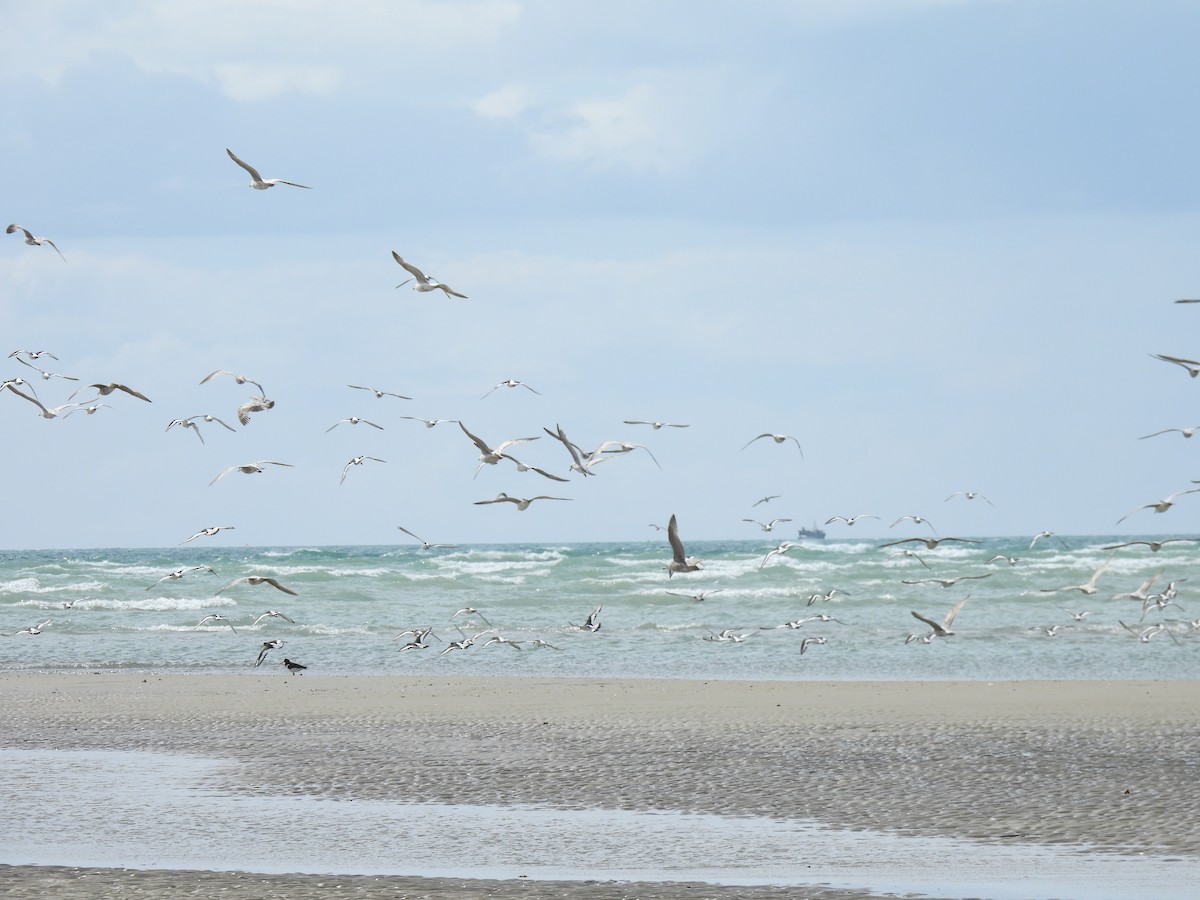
{"x":665,"y":123}
{"x":506,"y":103}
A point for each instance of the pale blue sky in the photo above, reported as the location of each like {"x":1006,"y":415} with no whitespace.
{"x":936,"y":240}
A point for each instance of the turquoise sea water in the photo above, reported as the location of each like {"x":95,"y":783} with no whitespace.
{"x":352,"y":602}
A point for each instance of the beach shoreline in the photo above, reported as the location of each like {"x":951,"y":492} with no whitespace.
{"x":1102,"y":766}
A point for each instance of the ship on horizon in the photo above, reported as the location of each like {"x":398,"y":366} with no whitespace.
{"x":810,"y":534}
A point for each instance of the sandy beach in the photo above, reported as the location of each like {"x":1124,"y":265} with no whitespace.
{"x":1108,"y":766}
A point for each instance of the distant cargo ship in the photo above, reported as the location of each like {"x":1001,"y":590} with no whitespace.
{"x":811,"y":534}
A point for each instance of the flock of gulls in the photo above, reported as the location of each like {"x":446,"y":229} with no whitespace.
{"x":577,"y":460}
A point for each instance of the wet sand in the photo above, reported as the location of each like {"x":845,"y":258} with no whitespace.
{"x":1109,"y":765}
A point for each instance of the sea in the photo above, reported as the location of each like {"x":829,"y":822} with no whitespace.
{"x":832,"y":609}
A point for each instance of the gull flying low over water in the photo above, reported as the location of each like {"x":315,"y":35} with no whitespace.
{"x":259,"y":183}
{"x":1154,"y":546}
{"x":916,"y":520}
{"x":267,"y":647}
{"x":207,"y":532}
{"x":511,"y":383}
{"x":179,"y":573}
{"x":942,"y":628}
{"x":33,"y":241}
{"x":425,"y":545}
{"x":254,"y":468}
{"x":780,"y":550}
{"x":592,"y":622}
{"x":357,"y":461}
{"x":423,"y":283}
{"x":257,"y":580}
{"x":946,"y":582}
{"x":31,"y":630}
{"x":1087,"y":587}
{"x":778,"y":439}
{"x":911,"y":554}
{"x":522,"y":503}
{"x":698,"y":598}
{"x":379,"y":395}
{"x":1159,"y":506}
{"x":680,"y":561}
{"x":1048,"y":534}
{"x":217,"y":617}
{"x":930,"y":543}
{"x":809,"y":641}
{"x":1010,"y":560}
{"x":1146,"y":633}
{"x":471,"y":611}
{"x":272,"y":614}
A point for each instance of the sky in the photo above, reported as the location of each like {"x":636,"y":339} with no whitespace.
{"x":936,"y":241}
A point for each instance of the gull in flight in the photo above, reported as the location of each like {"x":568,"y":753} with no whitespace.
{"x":422,"y":283}
{"x":488,"y":456}
{"x":1154,"y":546}
{"x":970,"y":495}
{"x":190,"y":422}
{"x":930,"y":543}
{"x":89,"y":408}
{"x":259,"y":183}
{"x":425,"y":545}
{"x":1142,"y":592}
{"x":217,"y":617}
{"x":1159,"y":506}
{"x":578,"y":463}
{"x":207,"y":532}
{"x":256,"y":580}
{"x":1146,"y":633}
{"x":471,"y":611}
{"x":46,"y":376}
{"x":32,"y":629}
{"x":655,"y":425}
{"x":272,"y":614}
{"x":430,"y":423}
{"x":809,"y":641}
{"x":767,"y":526}
{"x":510,"y":383}
{"x":254,"y":468}
{"x":911,"y":554}
{"x":31,"y":355}
{"x":353,"y":420}
{"x":1011,"y":560}
{"x":240,"y":379}
{"x":1048,"y":534}
{"x":592,"y":622}
{"x":942,"y":628}
{"x":680,"y":561}
{"x":1191,"y":365}
{"x":357,"y":461}
{"x":946,"y":582}
{"x":849,"y":520}
{"x":522,"y":503}
{"x":1186,"y":432}
{"x":267,"y":647}
{"x":33,"y":241}
{"x":379,"y":395}
{"x":766,"y":499}
{"x":105,"y":389}
{"x":777,"y":438}
{"x":179,"y":573}
{"x":1078,"y":616}
{"x":698,"y":598}
{"x":781,"y":549}
{"x":916,"y":520}
{"x":728,"y":634}
{"x":1088,"y":587}
{"x":253,"y":405}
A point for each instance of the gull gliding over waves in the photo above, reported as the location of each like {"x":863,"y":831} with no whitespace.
{"x":1088,"y":587}
{"x":680,"y":561}
{"x":179,"y":573}
{"x":207,"y":532}
{"x":942,"y":628}
{"x":849,"y":520}
{"x":781,"y":549}
{"x":425,"y":545}
{"x":273,"y":614}
{"x":33,"y":241}
{"x":946,"y":582}
{"x":422,"y":282}
{"x":697,"y":598}
{"x":1048,"y":534}
{"x":217,"y":617}
{"x":257,"y":580}
{"x":766,"y":526}
{"x":267,"y":647}
{"x":254,"y":468}
{"x":930,"y":543}
{"x":1154,"y":546}
{"x":1159,"y":506}
{"x":259,"y":183}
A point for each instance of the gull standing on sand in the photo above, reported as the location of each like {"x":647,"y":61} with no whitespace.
{"x":422,"y":283}
{"x":680,"y":561}
{"x":778,"y":439}
{"x":259,"y":183}
{"x":379,"y":395}
{"x":207,"y":532}
{"x":33,"y":241}
{"x":254,"y":468}
{"x":942,"y":628}
{"x":257,"y":580}
{"x":357,"y":461}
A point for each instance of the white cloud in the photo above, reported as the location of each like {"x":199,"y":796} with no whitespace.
{"x":253,"y":81}
{"x":506,"y":103}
